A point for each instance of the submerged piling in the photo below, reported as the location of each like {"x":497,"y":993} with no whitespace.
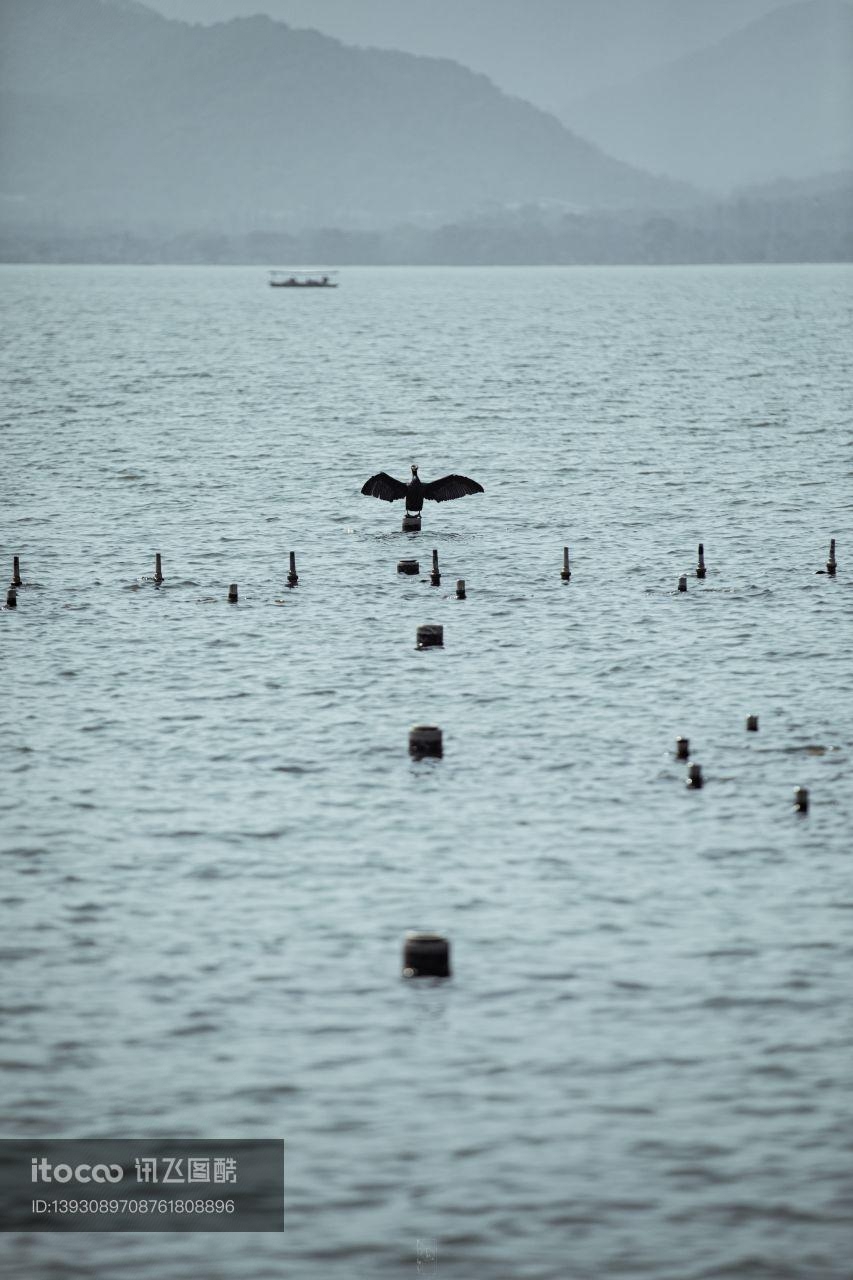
{"x":566,"y":572}
{"x":682,"y":583}
{"x":694,"y":777}
{"x":232,"y":593}
{"x":12,"y":597}
{"x":158,"y":568}
{"x":831,"y":564}
{"x":425,"y":740}
{"x":752,"y":724}
{"x":16,"y":572}
{"x":435,"y":576}
{"x":460,"y":589}
{"x":409,"y":567}
{"x":426,"y":955}
{"x":411,"y":523}
{"x":801,"y":800}
{"x":292,"y":577}
{"x":682,"y":748}
{"x":700,"y":568}
{"x":429,"y":637}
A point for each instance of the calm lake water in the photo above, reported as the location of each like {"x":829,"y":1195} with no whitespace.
{"x":214,"y":839}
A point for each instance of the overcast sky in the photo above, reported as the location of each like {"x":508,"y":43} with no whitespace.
{"x":548,"y":51}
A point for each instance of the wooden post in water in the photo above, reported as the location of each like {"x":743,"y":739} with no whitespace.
{"x":801,"y":800}
{"x":566,"y":572}
{"x":411,"y":523}
{"x":426,"y":955}
{"x":158,"y":568}
{"x":435,"y":576}
{"x":460,"y":589}
{"x":425,"y":740}
{"x":12,"y":597}
{"x":16,"y":572}
{"x":292,"y":577}
{"x":410,"y":567}
{"x":232,"y":593}
{"x":700,"y":568}
{"x":682,"y":748}
{"x":694,"y":777}
{"x":752,"y":724}
{"x":429,"y":637}
{"x":831,"y":564}
{"x":682,"y":583}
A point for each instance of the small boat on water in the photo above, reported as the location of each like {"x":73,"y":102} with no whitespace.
{"x":303,"y":280}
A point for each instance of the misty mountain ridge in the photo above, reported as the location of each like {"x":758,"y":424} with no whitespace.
{"x":772,"y":100}
{"x":112,"y":114}
{"x":534,"y":49}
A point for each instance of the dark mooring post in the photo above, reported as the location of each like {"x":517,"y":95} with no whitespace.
{"x":752,"y":724}
{"x":16,"y":572}
{"x":682,"y":583}
{"x":425,"y":740}
{"x":12,"y":598}
{"x":682,"y":748}
{"x":158,"y":568}
{"x":292,"y":577}
{"x":426,"y":955}
{"x":566,"y":572}
{"x":435,"y":576}
{"x":429,"y":636}
{"x":694,"y":777}
{"x":460,"y":589}
{"x":408,"y":567}
{"x":831,"y":564}
{"x":232,"y":593}
{"x":801,"y":800}
{"x":700,"y":568}
{"x":411,"y":523}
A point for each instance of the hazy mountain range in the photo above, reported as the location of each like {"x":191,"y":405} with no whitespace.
{"x":546,"y":51}
{"x":116,"y":121}
{"x":774,"y":99}
{"x":112,"y":114}
{"x":716,"y":92}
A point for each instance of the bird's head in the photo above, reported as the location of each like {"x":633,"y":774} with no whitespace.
{"x":414,"y":468}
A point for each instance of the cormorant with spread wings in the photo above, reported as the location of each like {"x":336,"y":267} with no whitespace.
{"x":444,"y":490}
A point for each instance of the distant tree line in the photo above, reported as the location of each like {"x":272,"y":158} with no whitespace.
{"x":817,"y":227}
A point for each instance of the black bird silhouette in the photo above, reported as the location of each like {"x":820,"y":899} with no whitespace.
{"x":444,"y":490}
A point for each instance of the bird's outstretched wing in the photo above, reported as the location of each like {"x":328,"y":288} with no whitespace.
{"x":385,"y":487}
{"x":449,"y":487}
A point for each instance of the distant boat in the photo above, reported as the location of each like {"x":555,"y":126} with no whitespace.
{"x":303,"y":280}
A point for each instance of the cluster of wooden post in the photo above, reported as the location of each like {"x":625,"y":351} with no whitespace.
{"x":426,"y":740}
{"x":426,"y":954}
{"x":694,"y":772}
{"x":233,"y":588}
{"x":701,"y":572}
{"x":411,"y":568}
{"x":407,"y":566}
